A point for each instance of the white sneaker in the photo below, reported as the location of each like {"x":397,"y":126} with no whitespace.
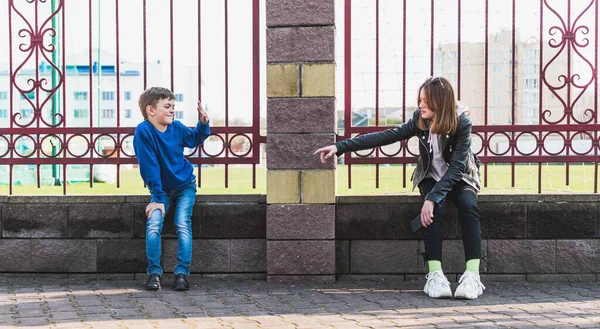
{"x":470,"y":286}
{"x":437,"y":285}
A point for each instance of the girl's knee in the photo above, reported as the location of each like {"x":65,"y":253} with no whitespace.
{"x":467,"y":202}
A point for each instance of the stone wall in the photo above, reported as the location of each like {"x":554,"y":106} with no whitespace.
{"x":105,"y":234}
{"x":526,"y":237}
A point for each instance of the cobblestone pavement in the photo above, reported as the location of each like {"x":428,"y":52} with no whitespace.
{"x":87,"y":303}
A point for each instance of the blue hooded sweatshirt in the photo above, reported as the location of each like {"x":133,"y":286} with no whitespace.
{"x":160,"y":156}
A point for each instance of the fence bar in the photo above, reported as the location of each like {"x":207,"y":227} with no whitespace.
{"x":348,"y":80}
{"x":255,"y":86}
{"x":432,"y":54}
{"x":596,"y":100}
{"x":199,"y":27}
{"x":458,"y":53}
{"x":485,"y":88}
{"x":145,"y":50}
{"x":540,"y":90}
{"x":172,"y":46}
{"x":377,"y":85}
{"x":405,"y":144}
{"x":513,"y":88}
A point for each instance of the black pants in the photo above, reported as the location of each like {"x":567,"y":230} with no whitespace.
{"x":464,"y":197}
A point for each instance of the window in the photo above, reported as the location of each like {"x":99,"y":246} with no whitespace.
{"x":27,"y":113}
{"x":80,"y":95}
{"x":108,"y":113}
{"x":30,"y":95}
{"x":179,"y":97}
{"x":497,"y":68}
{"x":80,"y":113}
{"x":531,"y":97}
{"x":108,"y":95}
{"x":532,"y":69}
{"x":496,"y":100}
{"x":3,"y":113}
{"x":530,"y":83}
{"x":3,"y":95}
{"x":178,"y":115}
{"x":128,"y":95}
{"x":497,"y":84}
{"x":127,"y":113}
{"x":531,"y":54}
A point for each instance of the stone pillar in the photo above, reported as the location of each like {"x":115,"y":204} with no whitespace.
{"x":300,"y":119}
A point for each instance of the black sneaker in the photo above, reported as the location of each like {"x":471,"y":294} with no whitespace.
{"x":181,"y":282}
{"x":153,"y":282}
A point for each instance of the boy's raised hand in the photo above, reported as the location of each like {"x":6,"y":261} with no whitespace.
{"x":326,"y":152}
{"x":203,"y":113}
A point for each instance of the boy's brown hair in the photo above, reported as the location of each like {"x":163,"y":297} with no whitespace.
{"x":440,"y":99}
{"x":151,"y":96}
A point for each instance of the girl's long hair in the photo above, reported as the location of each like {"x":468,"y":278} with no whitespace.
{"x":440,"y":99}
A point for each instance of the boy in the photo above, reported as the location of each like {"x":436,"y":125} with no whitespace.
{"x":158,"y":142}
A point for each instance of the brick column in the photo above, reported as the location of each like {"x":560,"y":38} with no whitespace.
{"x":300,"y":119}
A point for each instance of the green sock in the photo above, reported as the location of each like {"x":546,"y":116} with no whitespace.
{"x":434,"y":265}
{"x":473,"y":265}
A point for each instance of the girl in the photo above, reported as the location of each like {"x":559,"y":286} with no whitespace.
{"x":446,"y":167}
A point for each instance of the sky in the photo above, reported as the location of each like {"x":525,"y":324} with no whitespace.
{"x":418,"y":39}
{"x":418,"y":21}
{"x":185,"y":23}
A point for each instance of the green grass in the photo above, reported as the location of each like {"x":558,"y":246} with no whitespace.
{"x":363,"y":181}
{"x":212,"y":180}
{"x":498,"y":179}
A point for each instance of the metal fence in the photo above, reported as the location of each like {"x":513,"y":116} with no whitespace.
{"x":71,"y":94}
{"x":527,"y":69}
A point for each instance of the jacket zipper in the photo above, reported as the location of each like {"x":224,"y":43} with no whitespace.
{"x":428,"y":160}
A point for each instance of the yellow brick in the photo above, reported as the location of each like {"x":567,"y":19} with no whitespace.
{"x":283,"y":186}
{"x":282,"y":80}
{"x":318,"y":80}
{"x":318,"y":186}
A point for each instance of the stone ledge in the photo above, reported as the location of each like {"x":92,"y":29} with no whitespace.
{"x":561,"y":278}
{"x":261,"y":198}
{"x":371,"y":278}
{"x":319,"y":279}
{"x":483,"y":198}
{"x":77,"y":199}
{"x":66,"y":199}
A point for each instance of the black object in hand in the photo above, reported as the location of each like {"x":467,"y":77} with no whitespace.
{"x":415,"y":224}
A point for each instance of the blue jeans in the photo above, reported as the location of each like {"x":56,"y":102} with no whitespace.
{"x":183,"y":199}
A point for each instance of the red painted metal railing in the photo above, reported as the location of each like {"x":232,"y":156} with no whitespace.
{"x":29,"y":32}
{"x":560,"y":30}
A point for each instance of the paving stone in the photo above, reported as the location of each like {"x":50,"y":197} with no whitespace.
{"x":253,"y":304}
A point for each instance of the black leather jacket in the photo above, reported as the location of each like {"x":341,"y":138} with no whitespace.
{"x":462,"y":163}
